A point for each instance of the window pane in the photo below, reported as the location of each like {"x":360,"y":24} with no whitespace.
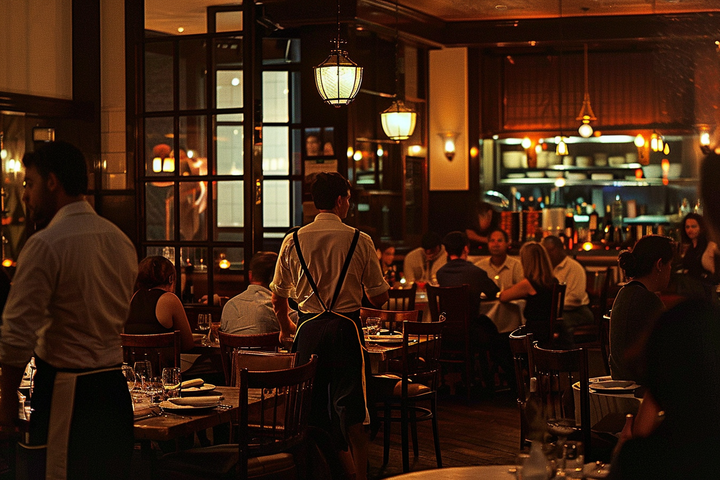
{"x":193,"y":141}
{"x":276,"y":203}
{"x":296,"y":151}
{"x":192,"y":74}
{"x":193,"y":197}
{"x":158,"y":146}
{"x":230,"y":205}
{"x":275,"y":151}
{"x":167,"y":252}
{"x":229,"y":144}
{"x":161,"y":20}
{"x":158,"y":76}
{"x":275,"y":97}
{"x":159,"y":218}
{"x":228,"y":21}
{"x":194,"y":278}
{"x":229,"y":89}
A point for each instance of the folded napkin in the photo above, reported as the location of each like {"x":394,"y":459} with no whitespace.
{"x":197,"y":401}
{"x":145,"y":412}
{"x":195,"y":382}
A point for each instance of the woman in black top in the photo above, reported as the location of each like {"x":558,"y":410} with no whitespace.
{"x":697,"y":263}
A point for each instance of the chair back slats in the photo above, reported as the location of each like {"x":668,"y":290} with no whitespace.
{"x":265,"y":342}
{"x":402,"y":298}
{"x":453,"y":302}
{"x":558,"y":305}
{"x":422,"y":344}
{"x":277,"y":418}
{"x":391,"y":319}
{"x":262,"y":361}
{"x":161,"y":349}
{"x":521,"y":348}
{"x":597,"y":287}
{"x":556,"y":371}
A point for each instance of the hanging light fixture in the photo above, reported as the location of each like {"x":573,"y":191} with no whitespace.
{"x":338,"y":78}
{"x":561,"y":147}
{"x":398,"y":121}
{"x":586,"y":113}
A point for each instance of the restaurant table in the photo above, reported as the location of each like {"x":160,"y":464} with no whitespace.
{"x":602,"y":403}
{"x":507,"y":316}
{"x":177,"y":425}
{"x":479,"y":472}
{"x":380,"y":354}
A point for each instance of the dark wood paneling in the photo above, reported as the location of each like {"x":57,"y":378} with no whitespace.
{"x":450,"y":211}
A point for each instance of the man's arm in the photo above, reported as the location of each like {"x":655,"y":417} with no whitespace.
{"x":282,"y":312}
{"x":379,"y":300}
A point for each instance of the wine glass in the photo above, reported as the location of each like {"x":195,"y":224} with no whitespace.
{"x":129,"y":375}
{"x":203,"y":324}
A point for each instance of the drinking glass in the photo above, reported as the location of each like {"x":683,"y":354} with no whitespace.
{"x":373,"y":325}
{"x":203,"y":324}
{"x":154,"y":389}
{"x":129,"y":375}
{"x":143,"y":373}
{"x":171,"y":380}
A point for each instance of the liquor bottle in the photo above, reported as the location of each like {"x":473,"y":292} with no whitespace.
{"x":593,"y":223}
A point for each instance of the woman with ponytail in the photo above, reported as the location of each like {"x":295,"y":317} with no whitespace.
{"x":647,"y":268}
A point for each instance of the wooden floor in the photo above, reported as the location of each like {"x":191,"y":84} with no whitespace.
{"x":485,"y":431}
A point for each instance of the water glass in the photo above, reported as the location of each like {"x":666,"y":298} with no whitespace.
{"x":129,"y":375}
{"x":143,"y":374}
{"x":203,"y":324}
{"x":373,"y":325}
{"x":171,"y":380}
{"x":154,"y":389}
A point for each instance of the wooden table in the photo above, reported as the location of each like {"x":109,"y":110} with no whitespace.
{"x":380,"y":354}
{"x":485,"y":472}
{"x":174,"y":426}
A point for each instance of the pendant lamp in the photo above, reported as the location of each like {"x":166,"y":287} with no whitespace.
{"x":398,"y":121}
{"x":586,"y":113}
{"x":338,"y":78}
{"x":561,"y":147}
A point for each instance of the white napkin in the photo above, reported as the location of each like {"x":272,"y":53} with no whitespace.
{"x":197,"y":401}
{"x":195,"y":382}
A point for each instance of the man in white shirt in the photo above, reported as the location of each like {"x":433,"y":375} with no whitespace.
{"x":505,"y":271}
{"x":568,"y":271}
{"x":251,"y":312}
{"x":422,"y":264}
{"x":68,"y":304}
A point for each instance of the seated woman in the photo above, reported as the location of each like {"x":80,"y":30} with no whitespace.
{"x":697,"y":261}
{"x":648,"y":267}
{"x":537,"y":288}
{"x":675,"y":434}
{"x":154,"y":308}
{"x":386,"y":255}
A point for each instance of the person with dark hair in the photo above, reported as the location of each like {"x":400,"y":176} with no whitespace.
{"x":154,"y":307}
{"x":505,"y":271}
{"x":537,"y":289}
{"x":251,"y":312}
{"x":697,"y":261}
{"x":485,"y":219}
{"x":648,"y":266}
{"x":422,"y":264}
{"x":67,"y":306}
{"x":386,"y":255}
{"x":325,"y":267}
{"x":569,"y":271}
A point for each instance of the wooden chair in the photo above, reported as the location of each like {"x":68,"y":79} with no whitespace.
{"x":556,"y":371}
{"x":596,"y":335}
{"x":280,"y":405}
{"x":452,"y":304}
{"x":265,"y":342}
{"x":161,"y":349}
{"x":402,"y":298}
{"x":262,"y":361}
{"x":391,"y":319}
{"x":556,"y":309}
{"x":420,"y":368}
{"x":521,"y":347}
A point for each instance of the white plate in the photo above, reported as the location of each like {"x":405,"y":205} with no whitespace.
{"x":385,"y":338}
{"x":204,"y":388}
{"x":190,"y":409}
{"x":197,"y":337}
{"x":614,"y":386}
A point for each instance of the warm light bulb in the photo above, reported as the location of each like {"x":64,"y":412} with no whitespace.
{"x":585,"y":130}
{"x":654,"y":142}
{"x":587,"y":246}
{"x":157,"y":164}
{"x":538,"y":148}
{"x":639,"y":141}
{"x":560,"y":182}
{"x":7,"y":263}
{"x":562,"y":148}
{"x":380,"y":152}
{"x":357,"y":156}
{"x":474,"y":152}
{"x":224,"y":264}
{"x":705,"y":139}
{"x":666,"y":150}
{"x":350,"y":152}
{"x":526,"y":143}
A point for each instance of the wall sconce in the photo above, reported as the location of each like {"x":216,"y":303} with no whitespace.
{"x":224,"y":263}
{"x":166,"y":164}
{"x":639,"y":140}
{"x":705,"y":139}
{"x":449,"y":139}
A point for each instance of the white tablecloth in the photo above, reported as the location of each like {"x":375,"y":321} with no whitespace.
{"x":602,"y":404}
{"x":507,"y":316}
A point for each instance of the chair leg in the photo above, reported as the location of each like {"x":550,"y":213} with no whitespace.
{"x":404,"y":436}
{"x":386,"y":433}
{"x":436,"y":435}
{"x":413,"y":429}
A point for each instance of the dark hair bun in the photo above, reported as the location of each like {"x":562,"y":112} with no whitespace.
{"x":628,"y":263}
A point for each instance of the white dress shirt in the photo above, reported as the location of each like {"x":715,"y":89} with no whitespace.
{"x":71,"y":293}
{"x":571,"y":273}
{"x":505,"y":275}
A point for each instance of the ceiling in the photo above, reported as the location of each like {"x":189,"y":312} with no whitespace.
{"x":478,"y":10}
{"x":167,"y":15}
